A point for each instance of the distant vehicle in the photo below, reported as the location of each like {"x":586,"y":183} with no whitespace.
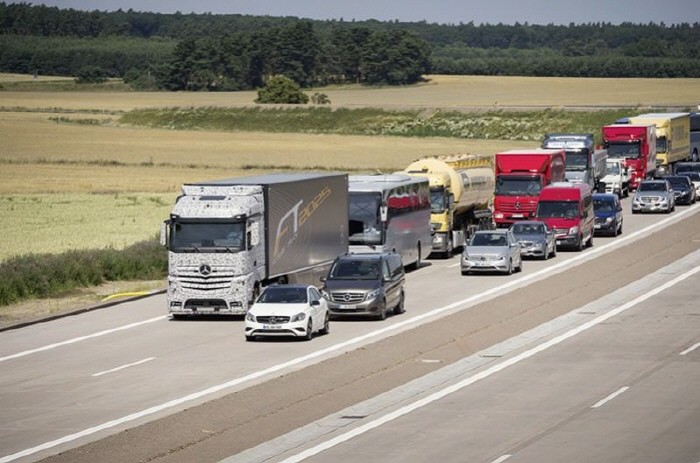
{"x":365,"y":284}
{"x":568,"y":209}
{"x":492,"y":251}
{"x":636,"y":144}
{"x":672,"y":138}
{"x":535,"y":238}
{"x":584,"y":163}
{"x":653,"y":196}
{"x":390,"y":213}
{"x":520,"y":176}
{"x":683,"y":189}
{"x":608,"y":214}
{"x":617,"y":178}
{"x":695,"y":179}
{"x":682,"y":167}
{"x":461,"y":190}
{"x":288,"y":310}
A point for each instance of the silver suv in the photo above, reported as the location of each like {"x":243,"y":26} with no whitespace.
{"x":365,"y":284}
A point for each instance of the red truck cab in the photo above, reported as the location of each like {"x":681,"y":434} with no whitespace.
{"x":636,"y":144}
{"x":567,"y":208}
{"x":520,"y":176}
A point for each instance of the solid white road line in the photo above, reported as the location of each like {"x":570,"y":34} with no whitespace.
{"x":690,"y":349}
{"x":81,"y":338}
{"x":501,"y":459}
{"x":123,"y":366}
{"x":602,"y":402}
{"x":484,"y":374}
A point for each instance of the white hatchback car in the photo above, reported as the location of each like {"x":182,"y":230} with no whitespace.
{"x":288,"y":310}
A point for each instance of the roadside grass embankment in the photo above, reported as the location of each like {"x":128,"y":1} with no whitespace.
{"x":42,"y":275}
{"x":496,"y":125}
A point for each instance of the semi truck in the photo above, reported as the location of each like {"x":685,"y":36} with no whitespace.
{"x":636,"y":144}
{"x":672,"y":138}
{"x":584,"y":163}
{"x":520,"y":176}
{"x":227,"y":239}
{"x":461,"y":192}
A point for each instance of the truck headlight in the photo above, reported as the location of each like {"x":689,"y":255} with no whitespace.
{"x":573,"y":230}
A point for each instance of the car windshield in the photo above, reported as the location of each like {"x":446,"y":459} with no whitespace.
{"x":281,"y":294}
{"x":361,"y":269}
{"x":557,"y":209}
{"x":678,"y":183}
{"x":603,"y":205}
{"x":652,"y":186}
{"x":488,"y":239}
{"x":528,"y":229}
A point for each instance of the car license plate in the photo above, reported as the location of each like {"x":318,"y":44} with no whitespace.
{"x":518,"y":216}
{"x":597,"y":226}
{"x":272,"y":327}
{"x":558,"y":242}
{"x":347,"y":306}
{"x":482,"y":264}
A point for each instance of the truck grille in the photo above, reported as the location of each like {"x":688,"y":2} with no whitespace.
{"x":347,"y":297}
{"x":522,"y":208}
{"x":218,"y":279}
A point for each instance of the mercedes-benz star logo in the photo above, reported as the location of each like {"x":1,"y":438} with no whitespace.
{"x":517,"y":204}
{"x":346,"y":297}
{"x":273,"y":320}
{"x":205,"y":270}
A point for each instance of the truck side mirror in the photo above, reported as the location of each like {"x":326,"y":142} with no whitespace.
{"x":164,"y":233}
{"x":254,"y":232}
{"x":384,"y":213}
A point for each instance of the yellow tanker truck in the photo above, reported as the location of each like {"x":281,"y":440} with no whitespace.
{"x":672,"y":138}
{"x":461,"y":193}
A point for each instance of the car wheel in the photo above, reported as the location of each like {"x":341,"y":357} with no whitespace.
{"x":589,"y":243}
{"x":519,"y":268}
{"x":579,"y":243}
{"x":554,"y":250}
{"x":399,"y":309}
{"x":619,"y":230}
{"x":309,"y":330}
{"x":545,"y":254}
{"x":326,"y":325}
{"x":382,"y":312}
{"x":510,"y":267}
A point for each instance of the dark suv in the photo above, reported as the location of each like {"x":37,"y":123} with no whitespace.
{"x":683,"y":189}
{"x":365,"y":284}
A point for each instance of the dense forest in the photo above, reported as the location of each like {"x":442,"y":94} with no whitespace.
{"x":232,"y":52}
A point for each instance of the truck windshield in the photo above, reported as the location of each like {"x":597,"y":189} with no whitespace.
{"x":513,"y":185}
{"x":438,"y":200}
{"x":557,"y":209}
{"x":186,"y":236}
{"x":613,"y":168}
{"x":365,"y":226}
{"x":623,"y":150}
{"x":577,"y":160}
{"x":661,"y":145}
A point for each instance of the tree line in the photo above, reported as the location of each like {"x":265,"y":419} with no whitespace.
{"x":234,"y":52}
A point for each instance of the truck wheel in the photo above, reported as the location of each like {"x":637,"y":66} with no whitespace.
{"x":417,"y":263}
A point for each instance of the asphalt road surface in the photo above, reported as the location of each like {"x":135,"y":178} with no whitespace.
{"x":127,"y":384}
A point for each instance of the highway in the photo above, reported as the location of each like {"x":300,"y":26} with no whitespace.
{"x":125,"y":383}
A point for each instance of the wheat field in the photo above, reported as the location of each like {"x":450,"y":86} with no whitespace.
{"x":66,"y":185}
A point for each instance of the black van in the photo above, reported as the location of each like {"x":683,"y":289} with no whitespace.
{"x":365,"y":284}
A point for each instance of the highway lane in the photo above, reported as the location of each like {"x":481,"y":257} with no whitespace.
{"x":620,"y":384}
{"x":51,"y":395}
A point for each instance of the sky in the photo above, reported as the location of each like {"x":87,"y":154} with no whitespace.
{"x":431,"y":11}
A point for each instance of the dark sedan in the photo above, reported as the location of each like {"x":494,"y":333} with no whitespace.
{"x":683,"y":189}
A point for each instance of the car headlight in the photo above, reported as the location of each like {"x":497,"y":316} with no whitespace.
{"x":609,"y":220}
{"x":374,"y":294}
{"x":573,"y":230}
{"x":250,"y":317}
{"x":501,"y":257}
{"x":326,"y":295}
{"x":299,"y":317}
